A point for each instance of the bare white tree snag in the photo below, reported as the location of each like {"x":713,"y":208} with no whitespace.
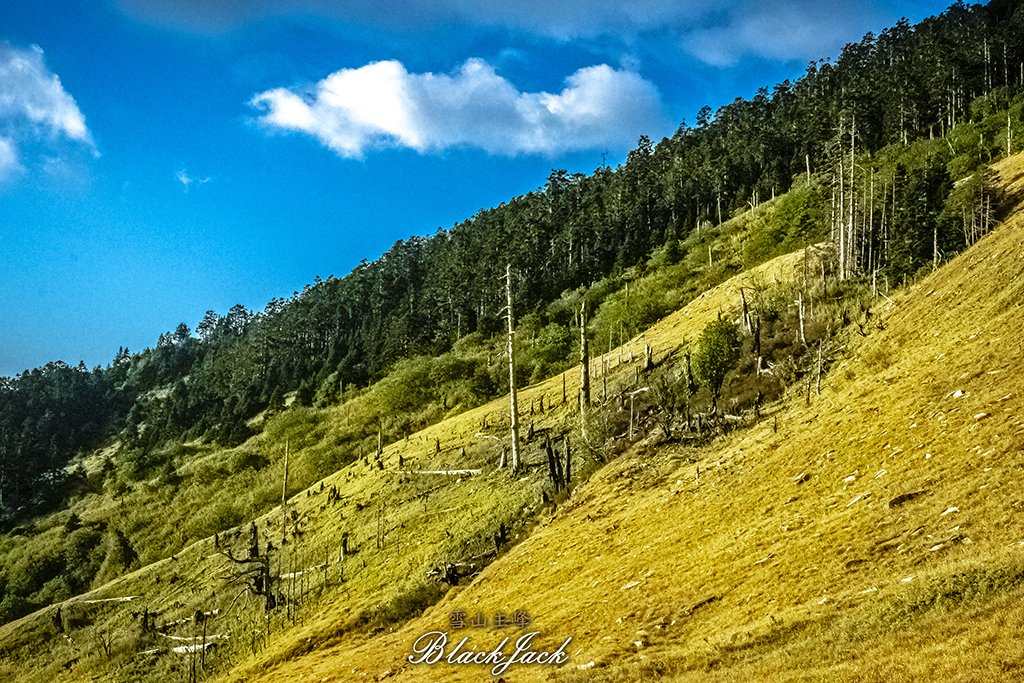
{"x":604,"y":379}
{"x":746,"y":311}
{"x":584,"y":359}
{"x":284,"y":495}
{"x":851,"y":217}
{"x":584,"y":395}
{"x":514,"y":406}
{"x":800,"y":313}
{"x":568,"y":461}
{"x":1009,"y":135}
{"x":632,"y":395}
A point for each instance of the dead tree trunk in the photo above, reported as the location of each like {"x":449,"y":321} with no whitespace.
{"x":553,"y":468}
{"x":584,"y":395}
{"x":284,"y":496}
{"x":746,"y":311}
{"x":800,"y":313}
{"x":817,"y":383}
{"x":584,"y":359}
{"x":568,"y":461}
{"x":514,"y":406}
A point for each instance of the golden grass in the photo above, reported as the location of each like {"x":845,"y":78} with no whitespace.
{"x":805,"y":580}
{"x":819,"y":580}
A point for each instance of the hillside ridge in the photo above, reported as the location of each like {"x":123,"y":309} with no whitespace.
{"x":877,"y":523}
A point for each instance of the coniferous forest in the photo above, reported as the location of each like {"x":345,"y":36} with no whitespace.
{"x":882,"y":147}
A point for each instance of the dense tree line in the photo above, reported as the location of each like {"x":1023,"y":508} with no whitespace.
{"x":850,"y":126}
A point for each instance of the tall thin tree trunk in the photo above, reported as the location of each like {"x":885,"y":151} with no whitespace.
{"x":853,"y":170}
{"x":584,"y":395}
{"x":284,"y":495}
{"x":513,"y":403}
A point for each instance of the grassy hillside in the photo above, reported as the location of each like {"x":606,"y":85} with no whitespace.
{"x":872,"y":534}
{"x":403,"y":513}
{"x":770,"y":549}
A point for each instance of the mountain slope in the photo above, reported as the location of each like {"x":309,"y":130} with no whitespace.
{"x":412,"y":509}
{"x":878,"y":527}
{"x":721,"y":540}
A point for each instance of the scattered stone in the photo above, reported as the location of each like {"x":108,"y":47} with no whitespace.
{"x":957,"y":394}
{"x":589,"y":665}
{"x":631,"y":584}
{"x":905,"y":497}
{"x":981,"y":416}
{"x":801,"y":478}
{"x":937,"y":546}
{"x":907,"y":579}
{"x":950,"y":511}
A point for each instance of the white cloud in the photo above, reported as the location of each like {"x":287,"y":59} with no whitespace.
{"x":383,"y":105}
{"x":794,"y":29}
{"x":8,"y":159}
{"x":185,"y":179}
{"x":34,"y":107}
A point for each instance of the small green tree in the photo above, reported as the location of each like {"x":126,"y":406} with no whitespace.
{"x":718,"y":349}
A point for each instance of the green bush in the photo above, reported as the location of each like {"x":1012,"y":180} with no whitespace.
{"x":718,"y":349}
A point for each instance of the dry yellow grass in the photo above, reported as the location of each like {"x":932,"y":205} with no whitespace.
{"x":819,"y":580}
{"x":455,"y":520}
{"x":738,"y":574}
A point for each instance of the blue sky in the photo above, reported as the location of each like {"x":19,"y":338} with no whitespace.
{"x":159,"y":159}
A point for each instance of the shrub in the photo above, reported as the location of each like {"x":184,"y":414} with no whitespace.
{"x":718,"y":349}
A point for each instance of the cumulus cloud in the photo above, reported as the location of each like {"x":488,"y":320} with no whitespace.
{"x":383,"y":105}
{"x":34,"y":107}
